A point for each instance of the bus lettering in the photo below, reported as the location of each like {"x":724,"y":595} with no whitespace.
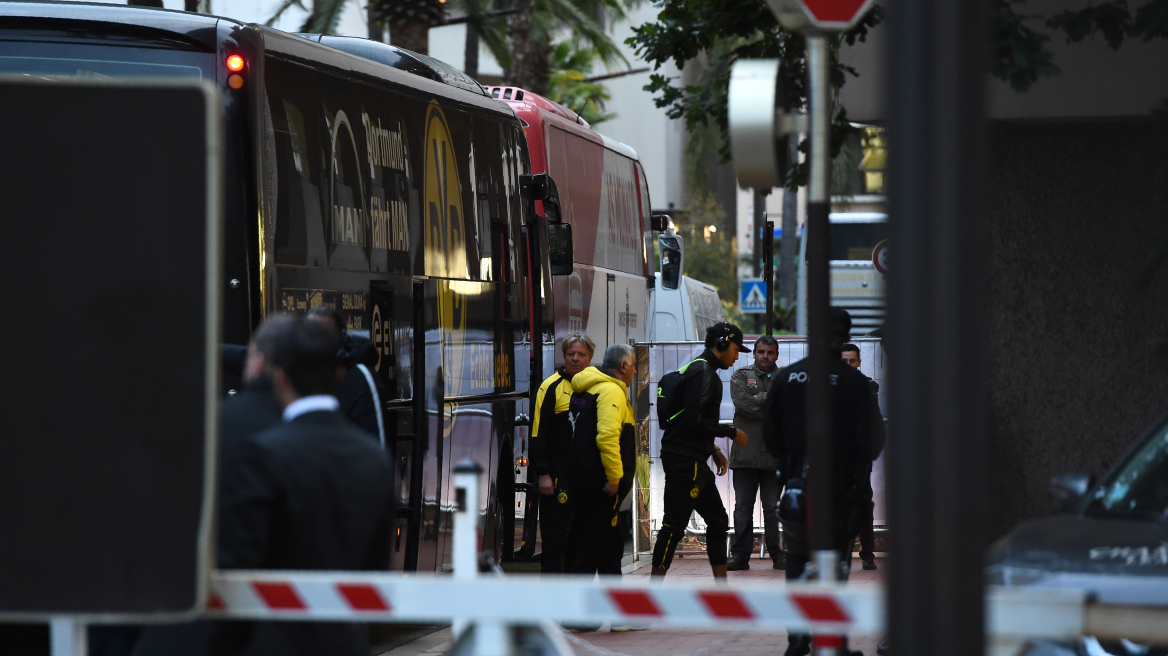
{"x":382,"y":147}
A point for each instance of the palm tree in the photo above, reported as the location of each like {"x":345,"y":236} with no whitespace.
{"x":409,"y":21}
{"x":534,"y":25}
{"x":322,"y":18}
{"x":487,"y":25}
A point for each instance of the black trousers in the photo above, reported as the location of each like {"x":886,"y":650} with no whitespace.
{"x":867,"y":534}
{"x":749,"y":482}
{"x":799,"y":644}
{"x":595,"y":535}
{"x":555,"y":523}
{"x":689,"y":487}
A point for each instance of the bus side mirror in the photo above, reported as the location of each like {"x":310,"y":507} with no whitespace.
{"x":541,"y":186}
{"x":560,"y":248}
{"x":551,"y":210}
{"x":670,"y":245}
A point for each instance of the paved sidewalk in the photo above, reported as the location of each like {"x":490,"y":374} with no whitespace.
{"x":668,"y":642}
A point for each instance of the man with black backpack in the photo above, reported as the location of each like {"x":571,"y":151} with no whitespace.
{"x":689,"y":408}
{"x":858,"y":437}
{"x":603,"y":452}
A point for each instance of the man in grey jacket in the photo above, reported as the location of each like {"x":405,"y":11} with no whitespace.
{"x":752,"y":466}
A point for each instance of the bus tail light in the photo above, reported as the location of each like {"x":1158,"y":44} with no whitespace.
{"x":235,"y":63}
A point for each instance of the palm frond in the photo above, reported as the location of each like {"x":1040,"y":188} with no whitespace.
{"x":491,"y":28}
{"x":324,"y":17}
{"x":585,"y":30}
{"x":285,"y":5}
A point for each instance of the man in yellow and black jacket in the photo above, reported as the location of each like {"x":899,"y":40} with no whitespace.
{"x":551,"y":440}
{"x":602,"y":459}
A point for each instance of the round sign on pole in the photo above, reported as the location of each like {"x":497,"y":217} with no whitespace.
{"x":880,"y":257}
{"x":752,"y":113}
{"x":834,"y":15}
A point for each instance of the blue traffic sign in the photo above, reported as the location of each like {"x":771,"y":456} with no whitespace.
{"x":752,"y":296}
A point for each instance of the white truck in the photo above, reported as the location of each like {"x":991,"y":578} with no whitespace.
{"x":681,"y":308}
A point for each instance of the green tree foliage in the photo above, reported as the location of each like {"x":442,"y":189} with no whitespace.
{"x":724,"y":31}
{"x":569,"y":85}
{"x":323,"y":15}
{"x":536,"y":24}
{"x":1115,"y":21}
{"x":1018,"y":53}
{"x":709,"y":255}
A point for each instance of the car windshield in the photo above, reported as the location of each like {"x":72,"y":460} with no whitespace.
{"x":1140,"y":487}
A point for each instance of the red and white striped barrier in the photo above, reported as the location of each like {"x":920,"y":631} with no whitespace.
{"x":828,"y":610}
{"x":746,"y":606}
{"x":433,"y":598}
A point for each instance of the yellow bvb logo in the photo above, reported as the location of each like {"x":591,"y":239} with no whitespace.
{"x":445,"y":232}
{"x":445,"y":252}
{"x":694,"y":493}
{"x":563,"y":497}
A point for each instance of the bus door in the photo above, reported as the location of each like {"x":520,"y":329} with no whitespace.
{"x":394,"y":306}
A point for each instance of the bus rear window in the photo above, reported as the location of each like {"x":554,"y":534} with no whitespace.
{"x":56,"y":60}
{"x":855,"y":241}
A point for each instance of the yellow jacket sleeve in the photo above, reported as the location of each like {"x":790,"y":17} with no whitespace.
{"x":538,"y":405}
{"x":611,"y":410}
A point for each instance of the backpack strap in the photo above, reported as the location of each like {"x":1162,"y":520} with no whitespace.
{"x":376,"y":402}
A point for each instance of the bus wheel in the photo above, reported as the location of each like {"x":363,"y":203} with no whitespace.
{"x":502,"y":544}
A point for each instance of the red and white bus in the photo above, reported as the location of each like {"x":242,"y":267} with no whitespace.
{"x":605,"y":198}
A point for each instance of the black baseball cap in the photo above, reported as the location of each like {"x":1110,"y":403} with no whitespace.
{"x":725,"y":329}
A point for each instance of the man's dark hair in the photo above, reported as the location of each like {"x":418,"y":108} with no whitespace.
{"x":852,"y":348}
{"x":305,"y":350}
{"x":766,"y":340}
{"x":327,"y":312}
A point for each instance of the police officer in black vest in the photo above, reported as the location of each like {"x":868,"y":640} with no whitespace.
{"x":858,"y":435}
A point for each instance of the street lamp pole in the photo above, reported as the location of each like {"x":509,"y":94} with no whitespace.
{"x":819,"y":442}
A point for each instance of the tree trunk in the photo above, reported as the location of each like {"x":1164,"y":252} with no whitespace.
{"x":145,"y":3}
{"x":191,"y":5}
{"x":376,"y":27}
{"x":471,"y":58}
{"x":413,"y":36}
{"x":529,"y":59}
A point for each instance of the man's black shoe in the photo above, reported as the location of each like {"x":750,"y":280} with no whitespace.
{"x":798,"y":644}
{"x":869,"y":562}
{"x":780,"y":561}
{"x":737,"y":563}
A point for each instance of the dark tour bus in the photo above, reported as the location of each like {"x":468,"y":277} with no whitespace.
{"x":382,"y":183}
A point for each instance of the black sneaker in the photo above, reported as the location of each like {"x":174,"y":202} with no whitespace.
{"x":869,"y":562}
{"x":780,"y":561}
{"x":736,"y":564}
{"x":798,"y":644}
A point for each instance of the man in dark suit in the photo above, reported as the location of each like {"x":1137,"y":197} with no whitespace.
{"x":315,"y":493}
{"x":241,"y":418}
{"x":312,"y":492}
{"x":361,"y":392}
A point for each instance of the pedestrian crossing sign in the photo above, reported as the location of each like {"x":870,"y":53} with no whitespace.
{"x":752,"y":296}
